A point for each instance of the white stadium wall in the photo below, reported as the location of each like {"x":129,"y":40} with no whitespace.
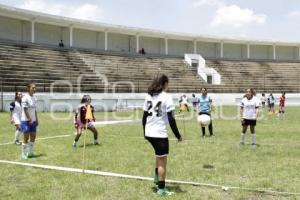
{"x":48,"y":34}
{"x":153,"y":45}
{"x":113,"y":102}
{"x":235,"y":51}
{"x":121,"y":43}
{"x":208,"y":49}
{"x":14,"y":29}
{"x":85,"y":38}
{"x":261,"y":52}
{"x":179,"y":47}
{"x":286,"y":53}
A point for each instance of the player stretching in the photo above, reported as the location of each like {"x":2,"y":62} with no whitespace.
{"x":158,"y":111}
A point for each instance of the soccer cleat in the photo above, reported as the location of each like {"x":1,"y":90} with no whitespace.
{"x":253,"y":145}
{"x":24,"y":157}
{"x":242,"y":143}
{"x":163,"y":192}
{"x":74,"y":145}
{"x":17,"y":142}
{"x":96,"y":142}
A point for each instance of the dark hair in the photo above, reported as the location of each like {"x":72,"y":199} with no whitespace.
{"x":157,"y":85}
{"x":204,"y":88}
{"x":30,"y":83}
{"x":85,"y":98}
{"x":16,"y":94}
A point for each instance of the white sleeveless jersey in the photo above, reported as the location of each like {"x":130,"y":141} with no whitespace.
{"x":30,"y":103}
{"x":249,"y":106}
{"x":157,"y":107}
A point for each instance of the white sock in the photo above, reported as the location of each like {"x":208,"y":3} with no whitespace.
{"x":243,"y":137}
{"x":253,"y":138}
{"x":24,"y":149}
{"x":17,"y":135}
{"x":31,"y":147}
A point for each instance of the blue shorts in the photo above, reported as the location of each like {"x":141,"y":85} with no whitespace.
{"x":28,"y":128}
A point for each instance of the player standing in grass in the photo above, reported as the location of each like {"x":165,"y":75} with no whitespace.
{"x":15,"y":116}
{"x":29,"y":120}
{"x":80,"y":121}
{"x":249,"y":114}
{"x":271,"y":103}
{"x":281,"y":114}
{"x":205,"y":106}
{"x":158,"y":111}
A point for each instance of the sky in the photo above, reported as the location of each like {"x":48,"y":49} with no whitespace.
{"x":276,"y":20}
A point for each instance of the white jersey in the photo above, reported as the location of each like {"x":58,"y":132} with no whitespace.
{"x":30,"y":103}
{"x":184,"y":100}
{"x":16,"y":110}
{"x":157,"y":107}
{"x":249,"y":106}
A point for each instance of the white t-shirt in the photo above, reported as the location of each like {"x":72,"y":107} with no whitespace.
{"x":30,"y":103}
{"x":157,"y":107}
{"x":249,"y":106}
{"x":16,"y":110}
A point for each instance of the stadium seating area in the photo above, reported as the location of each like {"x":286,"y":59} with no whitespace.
{"x":57,"y":69}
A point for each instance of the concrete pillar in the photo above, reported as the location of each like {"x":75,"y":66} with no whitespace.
{"x":137,"y":43}
{"x":248,"y":51}
{"x":32,"y":31}
{"x":274,"y":52}
{"x":221,"y":50}
{"x":71,"y":36}
{"x":106,"y":41}
{"x":166,"y":46}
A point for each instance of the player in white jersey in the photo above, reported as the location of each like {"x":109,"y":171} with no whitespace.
{"x":249,"y":114}
{"x":158,"y":111}
{"x":29,"y":121}
{"x":15,"y":116}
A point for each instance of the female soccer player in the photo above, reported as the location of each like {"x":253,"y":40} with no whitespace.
{"x":271,"y":103}
{"x":205,"y":106}
{"x":158,"y":111}
{"x":281,"y":106}
{"x":15,"y":116}
{"x":80,"y":122}
{"x":29,"y":120}
{"x":249,"y":114}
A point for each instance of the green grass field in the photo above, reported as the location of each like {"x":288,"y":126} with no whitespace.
{"x":273,"y":165}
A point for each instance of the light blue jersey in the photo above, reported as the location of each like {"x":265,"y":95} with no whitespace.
{"x":204,"y":104}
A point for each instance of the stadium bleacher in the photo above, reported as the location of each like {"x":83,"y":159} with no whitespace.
{"x":21,"y":62}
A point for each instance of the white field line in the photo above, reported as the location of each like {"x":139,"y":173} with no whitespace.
{"x":45,"y":138}
{"x":77,"y":170}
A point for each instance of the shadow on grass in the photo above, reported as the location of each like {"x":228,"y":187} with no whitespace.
{"x":171,"y":187}
{"x":39,"y":155}
{"x":208,"y":166}
{"x":89,"y":145}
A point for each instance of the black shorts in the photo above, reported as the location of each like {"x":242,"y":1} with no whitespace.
{"x":160,"y":146}
{"x":247,"y":122}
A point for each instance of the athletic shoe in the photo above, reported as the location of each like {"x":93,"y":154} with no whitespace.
{"x":163,"y":192}
{"x":96,"y":143}
{"x":253,"y":145}
{"x":74,"y":145}
{"x":17,"y":142}
{"x":155,"y":179}
{"x":242,"y":143}
{"x":24,"y":157}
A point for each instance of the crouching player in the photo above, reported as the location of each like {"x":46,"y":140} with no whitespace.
{"x":80,"y":121}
